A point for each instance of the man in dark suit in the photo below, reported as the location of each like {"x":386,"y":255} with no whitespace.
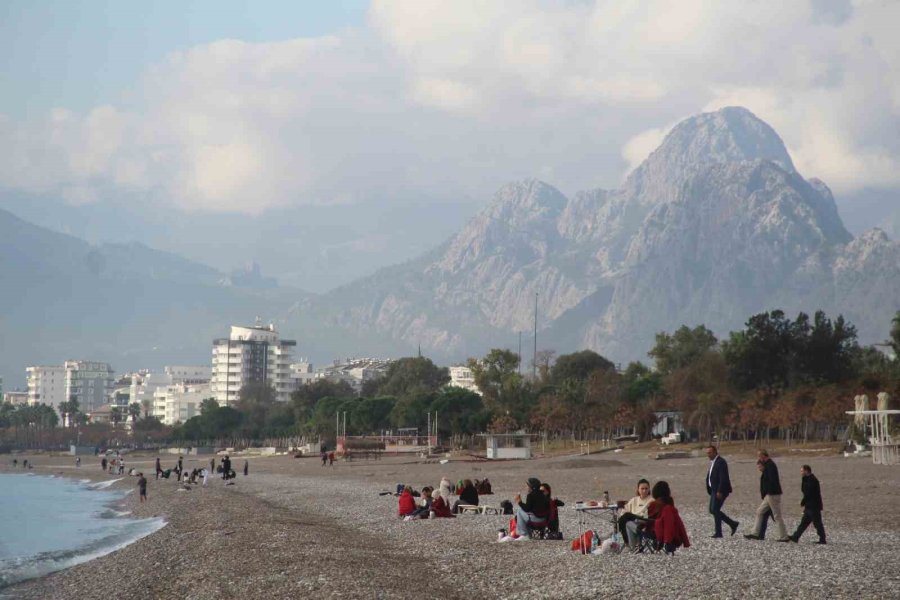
{"x":812,"y":505}
{"x":718,"y":486}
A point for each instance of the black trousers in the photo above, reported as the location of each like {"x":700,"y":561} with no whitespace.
{"x":814,"y":517}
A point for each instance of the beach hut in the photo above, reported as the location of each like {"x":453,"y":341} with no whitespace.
{"x":508,"y":445}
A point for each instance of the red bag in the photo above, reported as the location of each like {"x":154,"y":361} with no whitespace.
{"x":512,"y":527}
{"x":583,"y":542}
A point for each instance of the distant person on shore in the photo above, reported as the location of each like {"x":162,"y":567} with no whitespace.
{"x":226,"y":467}
{"x":180,"y":464}
{"x":246,"y":468}
{"x":445,"y":488}
{"x":669,"y":528}
{"x":15,"y":462}
{"x":770,"y":490}
{"x":425,"y":507}
{"x":77,"y":462}
{"x":555,"y":504}
{"x":324,"y":457}
{"x":103,"y":463}
{"x":212,"y":465}
{"x":331,"y":458}
{"x":406,"y":504}
{"x":635,"y":510}
{"x":142,"y":486}
{"x":812,"y":505}
{"x":535,"y":509}
{"x":468,"y":495}
{"x":718,"y":486}
{"x":121,"y":466}
{"x":158,"y":468}
{"x":204,"y":473}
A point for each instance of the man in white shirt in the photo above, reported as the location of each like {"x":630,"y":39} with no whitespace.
{"x":718,"y":486}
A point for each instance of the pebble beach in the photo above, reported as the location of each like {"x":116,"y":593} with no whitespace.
{"x":295,"y":529}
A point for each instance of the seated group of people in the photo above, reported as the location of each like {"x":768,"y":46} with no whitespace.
{"x":651,"y":515}
{"x":437,"y":502}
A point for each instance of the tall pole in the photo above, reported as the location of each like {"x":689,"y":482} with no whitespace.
{"x":534,"y":356}
{"x":520,"y":353}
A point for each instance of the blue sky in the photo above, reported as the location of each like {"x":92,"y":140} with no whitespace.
{"x":80,"y":54}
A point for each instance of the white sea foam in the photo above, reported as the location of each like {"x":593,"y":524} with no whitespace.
{"x":102,"y":485}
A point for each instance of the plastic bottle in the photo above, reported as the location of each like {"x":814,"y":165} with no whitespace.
{"x":606,"y":498}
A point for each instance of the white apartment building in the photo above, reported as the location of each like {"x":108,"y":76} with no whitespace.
{"x":355,"y":371}
{"x":461,"y":376}
{"x":144,"y":384}
{"x":179,"y":402}
{"x":46,"y":385}
{"x":251,"y":355}
{"x":16,"y":398}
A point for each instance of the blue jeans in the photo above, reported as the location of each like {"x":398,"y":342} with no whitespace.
{"x":715,"y":509}
{"x":523,"y":521}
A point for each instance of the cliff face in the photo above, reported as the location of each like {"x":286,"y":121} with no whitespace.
{"x":714,"y":226}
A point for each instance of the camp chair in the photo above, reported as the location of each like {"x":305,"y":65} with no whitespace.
{"x":647,"y":543}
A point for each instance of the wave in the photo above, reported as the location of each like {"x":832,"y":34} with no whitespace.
{"x":19,"y":569}
{"x":102,"y":485}
{"x":114,"y":514}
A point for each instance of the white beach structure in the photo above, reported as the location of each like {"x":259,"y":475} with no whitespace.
{"x":508,"y":445}
{"x":885,"y":448}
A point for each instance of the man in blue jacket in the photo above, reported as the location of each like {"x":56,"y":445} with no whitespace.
{"x":718,"y":486}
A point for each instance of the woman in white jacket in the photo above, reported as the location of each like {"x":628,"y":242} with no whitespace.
{"x":446,"y":489}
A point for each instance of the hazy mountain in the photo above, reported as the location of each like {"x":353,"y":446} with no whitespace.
{"x":122,"y":303}
{"x":715,"y":225}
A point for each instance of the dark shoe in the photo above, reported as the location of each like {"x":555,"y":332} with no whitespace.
{"x":716,"y":536}
{"x":793,"y":538}
{"x":822,"y":542}
{"x":734,"y":527}
{"x":752,"y":536}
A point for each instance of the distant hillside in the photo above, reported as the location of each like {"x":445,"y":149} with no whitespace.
{"x":123,"y":303}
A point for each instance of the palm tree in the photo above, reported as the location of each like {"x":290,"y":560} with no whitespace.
{"x":115,"y":416}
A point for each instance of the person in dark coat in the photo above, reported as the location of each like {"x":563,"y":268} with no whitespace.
{"x":246,"y":468}
{"x":468,"y":495}
{"x":770,"y":491}
{"x":718,"y":486}
{"x":226,"y":467}
{"x":812,"y":505}
{"x":534,"y":511}
{"x":158,"y":468}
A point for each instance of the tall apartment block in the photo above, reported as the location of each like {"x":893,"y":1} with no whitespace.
{"x":251,"y":355}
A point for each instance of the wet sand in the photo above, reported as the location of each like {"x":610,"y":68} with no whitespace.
{"x":295,"y":529}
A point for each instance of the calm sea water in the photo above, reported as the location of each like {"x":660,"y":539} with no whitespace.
{"x":50,"y":523}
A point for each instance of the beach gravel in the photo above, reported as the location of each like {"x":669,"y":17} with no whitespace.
{"x":293,"y":529}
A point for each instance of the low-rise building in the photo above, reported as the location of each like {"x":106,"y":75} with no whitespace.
{"x":462,"y":376}
{"x":179,"y":402}
{"x":16,"y":398}
{"x":355,"y":371}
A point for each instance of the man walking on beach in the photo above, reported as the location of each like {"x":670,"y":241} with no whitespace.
{"x":770,"y":490}
{"x":158,"y":468}
{"x":142,"y":486}
{"x":812,"y":505}
{"x":246,"y":468}
{"x":718,"y":486}
{"x":226,"y":467}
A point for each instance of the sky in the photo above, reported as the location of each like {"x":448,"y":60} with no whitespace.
{"x":244,"y":108}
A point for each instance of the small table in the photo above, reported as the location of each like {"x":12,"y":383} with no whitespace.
{"x":584,"y":511}
{"x":469,"y":509}
{"x":487,"y":509}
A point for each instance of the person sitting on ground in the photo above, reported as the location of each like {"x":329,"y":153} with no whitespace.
{"x":440,"y":508}
{"x":534,"y":512}
{"x":555,"y":503}
{"x":406,"y":503}
{"x":445,"y":488}
{"x":669,"y":528}
{"x":483,"y":486}
{"x":635,"y":509}
{"x":425,"y":504}
{"x":468,"y":495}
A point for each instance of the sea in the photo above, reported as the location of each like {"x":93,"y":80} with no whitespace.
{"x":51,"y":523}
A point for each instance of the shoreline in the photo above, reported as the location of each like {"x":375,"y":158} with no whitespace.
{"x":293,"y":528}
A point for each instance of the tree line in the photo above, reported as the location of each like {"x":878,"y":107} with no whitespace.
{"x":777,"y":376}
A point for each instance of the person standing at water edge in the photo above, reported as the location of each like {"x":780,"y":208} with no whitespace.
{"x":718,"y":486}
{"x":812,"y":505}
{"x":103,"y":463}
{"x":246,"y":467}
{"x":158,"y":468}
{"x":142,"y":486}
{"x":770,"y":490}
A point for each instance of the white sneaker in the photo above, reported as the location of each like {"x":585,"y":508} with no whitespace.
{"x":506,"y":538}
{"x":522,"y":538}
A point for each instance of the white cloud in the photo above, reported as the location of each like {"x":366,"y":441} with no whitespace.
{"x":464,"y":95}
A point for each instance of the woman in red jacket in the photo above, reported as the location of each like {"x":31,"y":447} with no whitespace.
{"x":669,"y":527}
{"x":407,"y":504}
